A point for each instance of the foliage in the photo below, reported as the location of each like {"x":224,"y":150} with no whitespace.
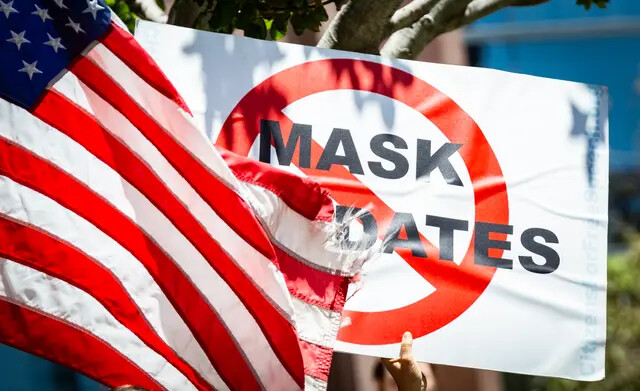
{"x":121,"y":8}
{"x":266,"y":18}
{"x":623,"y":329}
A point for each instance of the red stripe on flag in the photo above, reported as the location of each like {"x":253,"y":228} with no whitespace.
{"x":301,"y":194}
{"x":41,"y":251}
{"x":236,"y":213}
{"x":66,"y":344}
{"x":317,"y":360}
{"x":32,"y":171}
{"x":278,"y":331}
{"x":131,"y":53}
{"x":311,"y":285}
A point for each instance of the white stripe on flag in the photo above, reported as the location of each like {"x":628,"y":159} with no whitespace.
{"x":60,"y":300}
{"x":18,"y":200}
{"x":164,"y":111}
{"x":254,"y":264}
{"x":314,"y":384}
{"x":315,"y":324}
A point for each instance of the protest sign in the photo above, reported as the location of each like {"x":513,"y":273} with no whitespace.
{"x":488,"y":190}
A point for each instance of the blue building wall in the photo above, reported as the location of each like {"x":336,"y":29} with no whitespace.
{"x":562,"y":10}
{"x":561,"y":40}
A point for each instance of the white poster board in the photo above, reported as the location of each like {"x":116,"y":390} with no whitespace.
{"x":489,"y":189}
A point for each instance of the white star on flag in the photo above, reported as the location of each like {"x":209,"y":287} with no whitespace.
{"x":42,"y":13}
{"x":29,"y":69}
{"x":93,"y":7}
{"x":75,"y":26}
{"x":60,"y":4}
{"x":54,"y":43}
{"x":7,"y":8}
{"x":18,"y":39}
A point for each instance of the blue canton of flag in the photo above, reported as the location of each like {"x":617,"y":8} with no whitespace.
{"x":40,"y":38}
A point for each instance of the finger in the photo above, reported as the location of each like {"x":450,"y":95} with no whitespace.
{"x":394,"y":369}
{"x":393,"y":366}
{"x":405,"y":346}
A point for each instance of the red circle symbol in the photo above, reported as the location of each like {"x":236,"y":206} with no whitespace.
{"x":457,"y":287}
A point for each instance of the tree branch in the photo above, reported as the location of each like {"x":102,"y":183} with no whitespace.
{"x":359,"y":26}
{"x":441,"y":17}
{"x":410,"y":41}
{"x":480,"y":8}
{"x":409,"y":14}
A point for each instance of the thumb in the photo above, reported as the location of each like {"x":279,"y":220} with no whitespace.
{"x":406,"y":352}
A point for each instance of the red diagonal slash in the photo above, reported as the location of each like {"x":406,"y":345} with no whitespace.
{"x":457,"y":286}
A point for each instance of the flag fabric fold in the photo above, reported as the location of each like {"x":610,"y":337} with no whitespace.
{"x":130,"y":249}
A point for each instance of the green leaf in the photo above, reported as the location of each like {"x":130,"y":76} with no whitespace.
{"x":279,"y":26}
{"x":223,"y":15}
{"x":131,"y":25}
{"x":298,"y":22}
{"x":122,"y":8}
{"x":315,"y":18}
{"x":259,"y":18}
{"x":309,"y":20}
{"x":248,"y":15}
{"x":256,"y":29}
{"x":320,"y":15}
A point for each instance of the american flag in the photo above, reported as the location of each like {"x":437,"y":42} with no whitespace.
{"x":131,"y":250}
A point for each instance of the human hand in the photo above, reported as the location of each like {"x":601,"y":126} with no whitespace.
{"x":404,"y":369}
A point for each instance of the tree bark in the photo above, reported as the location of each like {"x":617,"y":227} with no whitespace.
{"x":410,"y":41}
{"x":443,"y":16}
{"x":409,"y":14}
{"x":360,"y":26}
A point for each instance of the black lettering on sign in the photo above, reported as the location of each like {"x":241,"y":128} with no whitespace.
{"x":400,"y":163}
{"x":403,"y":232}
{"x":300,"y":134}
{"x":447,"y":226}
{"x":551,"y":257}
{"x":383,"y":145}
{"x":393,"y":238}
{"x":330,"y":155}
{"x":483,"y":244}
{"x":426,"y":162}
